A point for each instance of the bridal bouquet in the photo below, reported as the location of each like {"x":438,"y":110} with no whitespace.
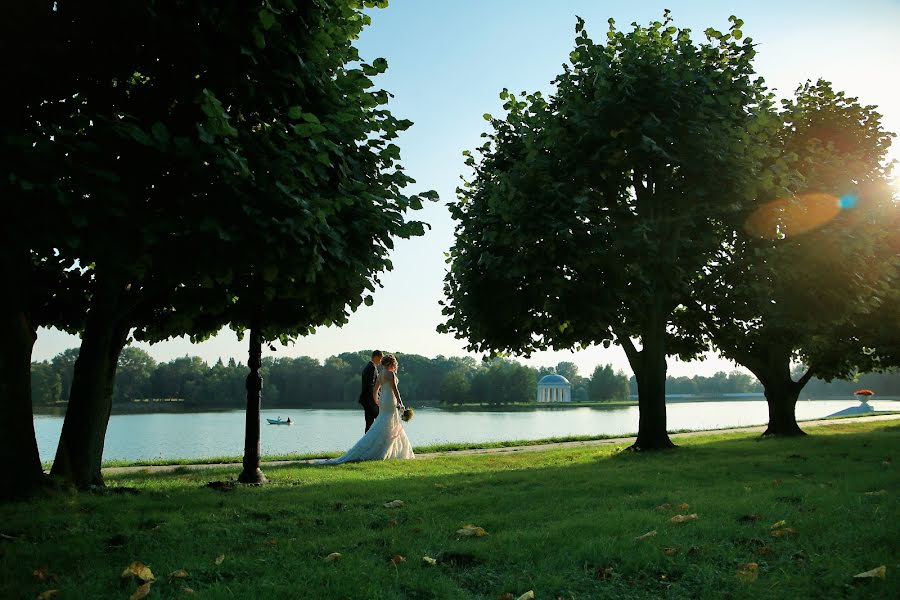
{"x":405,"y":413}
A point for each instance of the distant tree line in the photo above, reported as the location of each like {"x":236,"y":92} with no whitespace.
{"x":735,"y":382}
{"x":334,"y":382}
{"x":883,"y":384}
{"x":305,"y":381}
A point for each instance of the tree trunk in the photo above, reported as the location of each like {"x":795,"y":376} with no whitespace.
{"x":252,"y":472}
{"x":782,"y":401}
{"x":80,"y":450}
{"x":781,"y":391}
{"x":650,"y":372}
{"x":18,"y":448}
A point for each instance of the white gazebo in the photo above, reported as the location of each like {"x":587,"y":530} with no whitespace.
{"x":554,"y":388}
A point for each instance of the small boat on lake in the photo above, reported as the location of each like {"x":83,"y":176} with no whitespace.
{"x":279,"y":421}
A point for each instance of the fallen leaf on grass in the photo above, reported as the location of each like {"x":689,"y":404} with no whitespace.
{"x":139,"y":570}
{"x":48,"y":595}
{"x":748,"y":572}
{"x":43,"y":574}
{"x":684,"y":518}
{"x":649,"y":534}
{"x":877,"y":493}
{"x":684,"y":506}
{"x":393,"y":504}
{"x":427,"y":560}
{"x":778,"y":529}
{"x":187,"y":590}
{"x":664,"y":506}
{"x":876,"y":572}
{"x":784,"y":531}
{"x":141,"y":592}
{"x":670,"y":551}
{"x":604,"y":572}
{"x":507,"y":596}
{"x":333,"y":557}
{"x":693,"y":550}
{"x":272,"y":542}
{"x":179,"y":574}
{"x":529,"y":595}
{"x":471,"y":531}
{"x":397,"y":559}
{"x":749,"y":518}
{"x":220,"y":559}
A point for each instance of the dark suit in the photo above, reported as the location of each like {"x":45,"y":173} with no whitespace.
{"x":367,"y":395}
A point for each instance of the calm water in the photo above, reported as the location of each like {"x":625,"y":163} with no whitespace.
{"x":196,"y":435}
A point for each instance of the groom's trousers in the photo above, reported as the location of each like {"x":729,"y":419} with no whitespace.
{"x":371,"y":414}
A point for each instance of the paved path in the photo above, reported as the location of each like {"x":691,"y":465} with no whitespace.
{"x":508,"y":450}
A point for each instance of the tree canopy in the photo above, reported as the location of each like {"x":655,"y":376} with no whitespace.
{"x":811,"y":275}
{"x":591,"y":212}
{"x":206,"y":165}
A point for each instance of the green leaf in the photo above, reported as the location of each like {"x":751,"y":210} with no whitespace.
{"x":294,"y":112}
{"x":266,"y":18}
{"x":259,"y":38}
{"x":160,"y":132}
{"x":380,"y":65}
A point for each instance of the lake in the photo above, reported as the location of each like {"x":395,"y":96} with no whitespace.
{"x":198,"y":435}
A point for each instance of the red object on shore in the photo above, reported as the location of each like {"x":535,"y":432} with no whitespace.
{"x":864,"y":393}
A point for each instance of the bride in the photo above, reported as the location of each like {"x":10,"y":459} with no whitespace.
{"x":386,"y":438}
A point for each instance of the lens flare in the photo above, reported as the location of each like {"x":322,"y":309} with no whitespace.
{"x":848,"y":201}
{"x":787,"y":217}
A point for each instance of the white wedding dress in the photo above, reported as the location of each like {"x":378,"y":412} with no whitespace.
{"x":386,"y":437}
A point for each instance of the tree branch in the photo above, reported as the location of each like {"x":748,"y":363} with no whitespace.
{"x":806,"y":377}
{"x":630,"y":351}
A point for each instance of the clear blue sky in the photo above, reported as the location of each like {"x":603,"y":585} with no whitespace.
{"x":449,"y":60}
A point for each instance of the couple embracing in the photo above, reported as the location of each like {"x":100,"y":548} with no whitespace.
{"x":380,"y":398}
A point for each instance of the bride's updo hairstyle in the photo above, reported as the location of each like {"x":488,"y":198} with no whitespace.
{"x":388,"y":360}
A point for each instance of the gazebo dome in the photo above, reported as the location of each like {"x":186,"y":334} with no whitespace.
{"x":554,"y":388}
{"x":553,"y":379}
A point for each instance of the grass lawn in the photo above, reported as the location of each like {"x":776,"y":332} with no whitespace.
{"x":562,"y":523}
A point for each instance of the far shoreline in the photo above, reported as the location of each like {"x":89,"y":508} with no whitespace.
{"x":177,"y":407}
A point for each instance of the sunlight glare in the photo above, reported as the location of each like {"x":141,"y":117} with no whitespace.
{"x":788,"y":217}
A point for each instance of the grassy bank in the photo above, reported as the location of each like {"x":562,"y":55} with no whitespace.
{"x":564,"y":523}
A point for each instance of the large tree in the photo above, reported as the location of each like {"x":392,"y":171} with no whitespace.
{"x":38,"y":278}
{"x":218,"y":164}
{"x":590,"y":212}
{"x":811,"y":276}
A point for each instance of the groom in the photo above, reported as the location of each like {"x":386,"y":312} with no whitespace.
{"x":367,"y":395}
